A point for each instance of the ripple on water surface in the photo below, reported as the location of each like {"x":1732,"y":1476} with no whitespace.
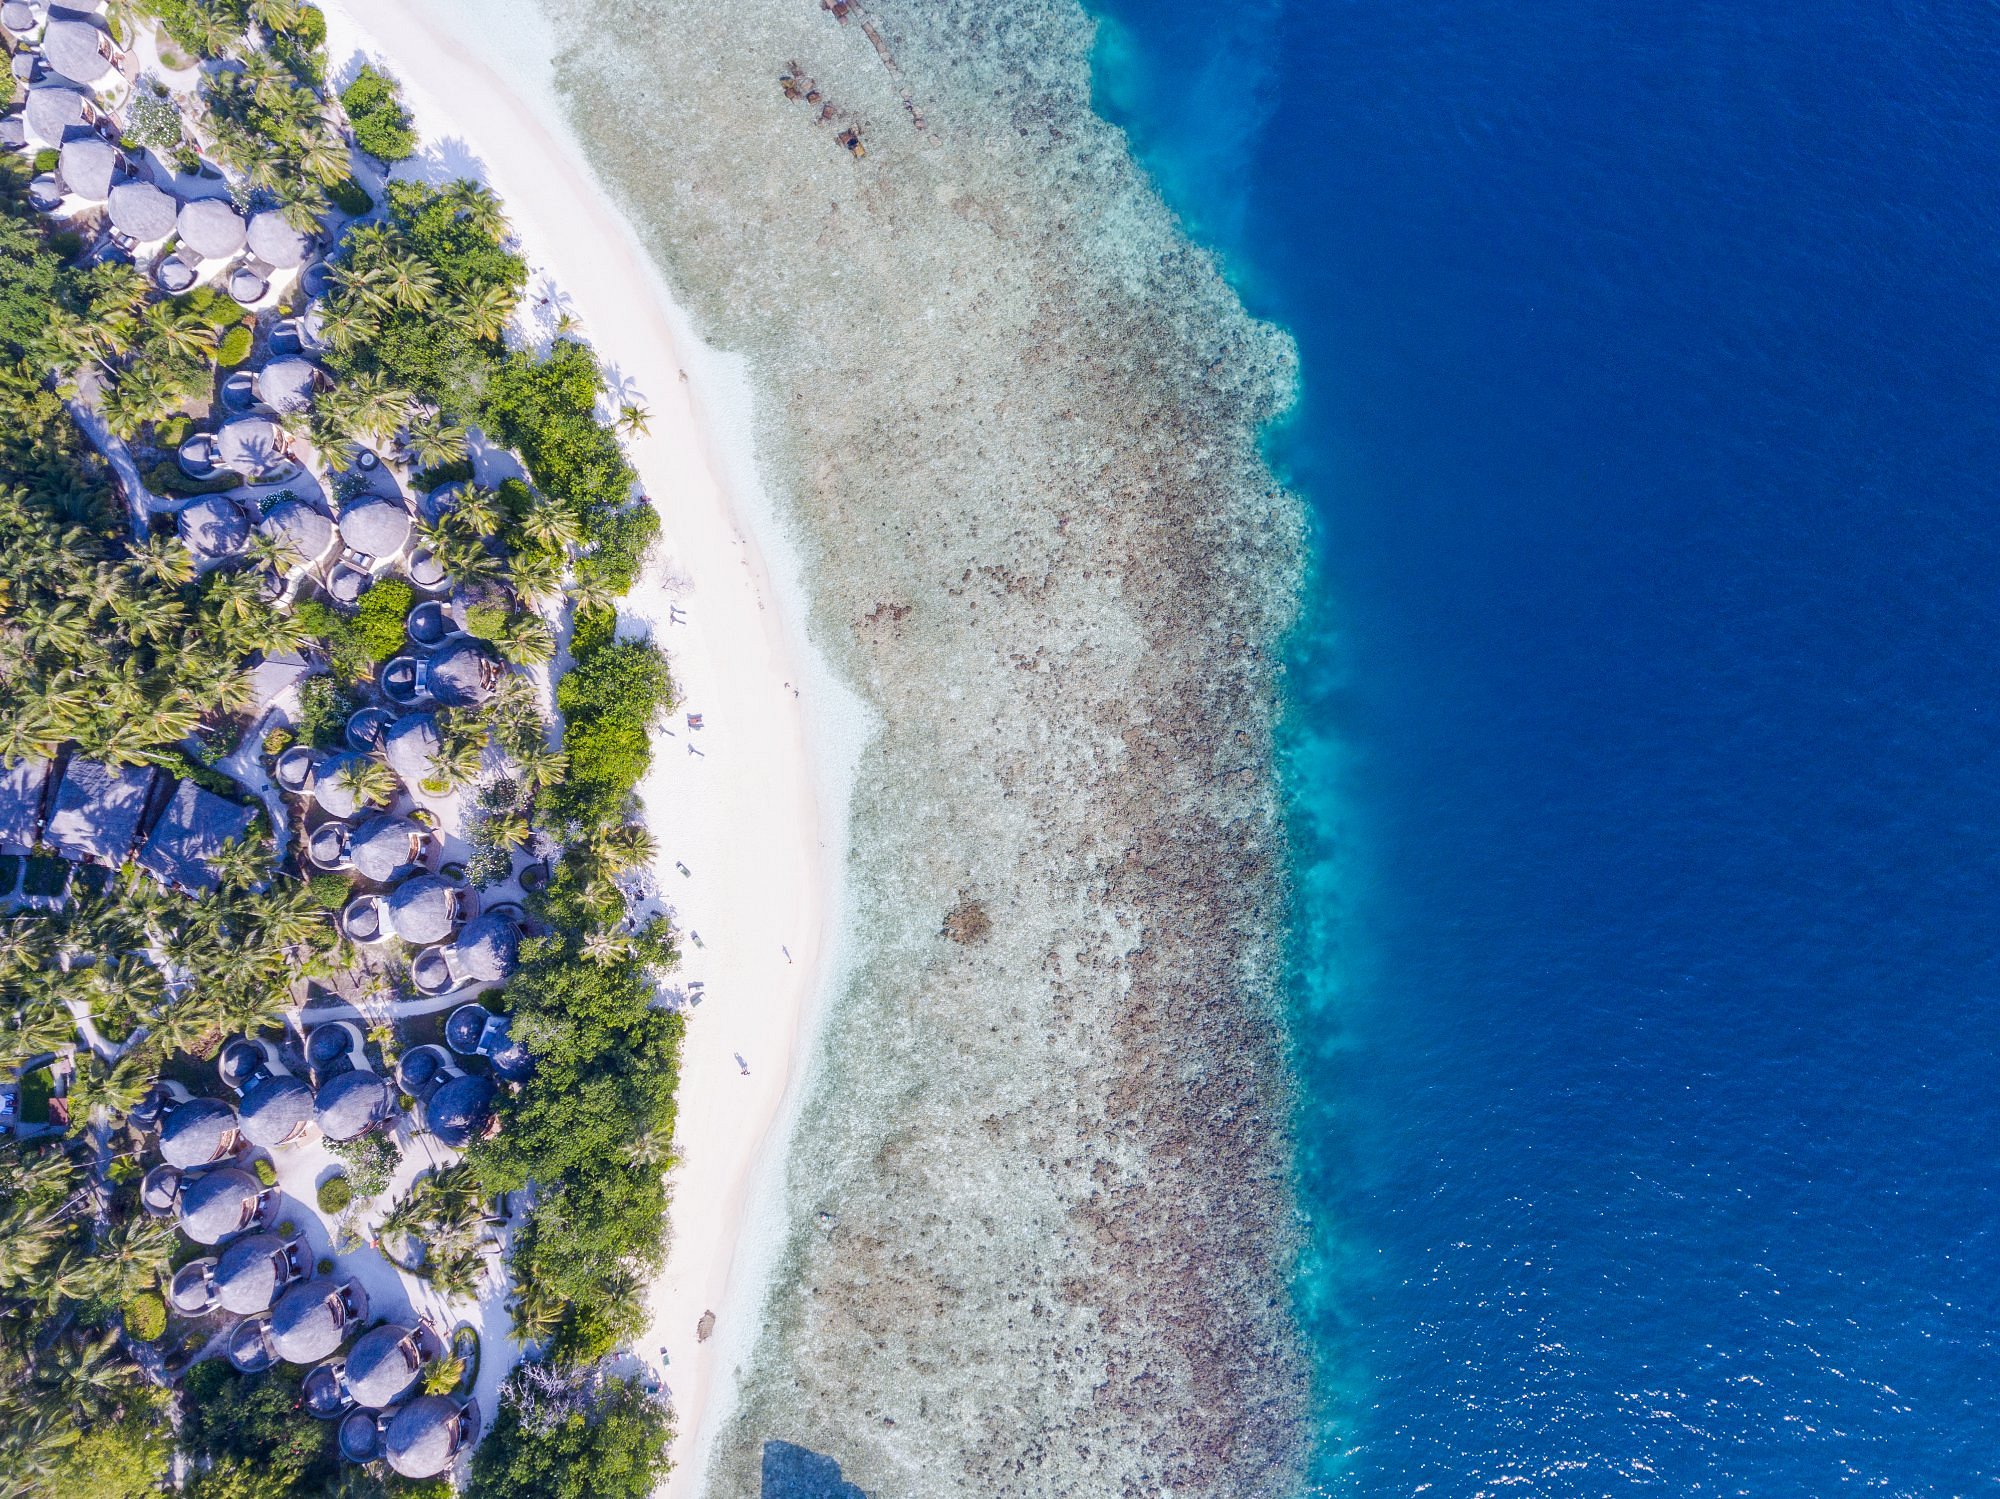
{"x":1013,"y":414}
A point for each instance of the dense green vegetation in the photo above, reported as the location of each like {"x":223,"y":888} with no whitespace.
{"x":574,"y":1439}
{"x":374,"y":108}
{"x":110,"y":643}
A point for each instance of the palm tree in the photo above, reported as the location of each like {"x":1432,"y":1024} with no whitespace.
{"x":477,"y":509}
{"x":266,"y":76}
{"x":434,"y":441}
{"x":603,"y":947}
{"x":536,"y":574}
{"x":409,"y":282}
{"x":460,"y":753}
{"x":486,"y":312}
{"x":629,"y":845}
{"x":369,"y":779}
{"x":527,"y":640}
{"x":161,"y":559}
{"x":552,"y":526}
{"x":181,"y":332}
{"x":536,"y":1315}
{"x":345,"y":322}
{"x":541,"y":766}
{"x":634,"y":421}
{"x":323,"y":157}
{"x":242,"y":863}
{"x":366,"y":403}
{"x":474,"y":202}
{"x":509,"y":830}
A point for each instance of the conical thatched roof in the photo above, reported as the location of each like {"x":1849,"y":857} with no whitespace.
{"x":287,"y":384}
{"x":250,"y":1273}
{"x":305,"y":535}
{"x":380,"y":848}
{"x":197,"y":1132}
{"x":274,"y":1109}
{"x":53,"y":111}
{"x":275,"y":242}
{"x":374,"y":526}
{"x":249,"y":444}
{"x":422,"y":909}
{"x":89,"y":166}
{"x":457,"y":1112}
{"x":486,"y":949}
{"x":142,"y":211}
{"x":308,"y":1322}
{"x":350,"y":1103}
{"x":217,"y":1203}
{"x":463,"y":673}
{"x":212,"y":228}
{"x":77,"y":49}
{"x":422,"y":1438}
{"x":411,"y":745}
{"x":382,"y":1365}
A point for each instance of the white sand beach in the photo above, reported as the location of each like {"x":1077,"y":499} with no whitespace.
{"x":749,"y":824}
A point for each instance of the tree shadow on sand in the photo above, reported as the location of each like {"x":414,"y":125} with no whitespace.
{"x":794,"y":1472}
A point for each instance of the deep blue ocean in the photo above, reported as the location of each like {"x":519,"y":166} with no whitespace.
{"x":1645,"y":745}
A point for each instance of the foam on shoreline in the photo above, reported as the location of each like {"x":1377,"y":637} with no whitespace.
{"x":1040,"y":1218}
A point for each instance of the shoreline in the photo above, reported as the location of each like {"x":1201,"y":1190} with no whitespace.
{"x":740,"y":803}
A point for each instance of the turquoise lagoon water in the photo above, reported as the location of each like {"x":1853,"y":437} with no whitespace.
{"x":1642,"y":748}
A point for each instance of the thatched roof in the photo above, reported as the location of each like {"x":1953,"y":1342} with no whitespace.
{"x":97,"y":809}
{"x":380,"y":848}
{"x":308,"y":1322}
{"x":77,"y":49}
{"x":458,"y":1111}
{"x":305,"y":535}
{"x":410,"y":746}
{"x":382,"y":1365}
{"x":275,"y":242}
{"x":53,"y":111}
{"x":217,"y":1204}
{"x":287,"y":384}
{"x":211,"y":227}
{"x":422,"y":909}
{"x":250,"y":444}
{"x":271,"y":675}
{"x":350,"y":1103}
{"x":21,"y":787}
{"x":214,"y":526}
{"x":486,"y":949}
{"x":374,"y":526}
{"x":197,"y":1132}
{"x":330,"y":787}
{"x":142,"y":211}
{"x":423,"y":1437}
{"x":191,"y":832}
{"x":88,"y":168}
{"x":274,"y":1109}
{"x":463,"y":673}
{"x":250,"y":1273}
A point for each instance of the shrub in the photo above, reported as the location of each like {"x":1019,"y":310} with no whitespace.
{"x":377,"y":626}
{"x":277,"y":742}
{"x":234,"y":348}
{"x":324,"y":1264}
{"x":146,"y":1317}
{"x":328,"y":891}
{"x":266,"y":1172}
{"x":335,"y":1195}
{"x":487,"y":621}
{"x":369,"y":1162}
{"x":286,"y":1228}
{"x":165,"y":477}
{"x":350,"y":197}
{"x":609,"y":703}
{"x":323,"y":707}
{"x":591,"y":629}
{"x":47,"y":159}
{"x":381,"y":124}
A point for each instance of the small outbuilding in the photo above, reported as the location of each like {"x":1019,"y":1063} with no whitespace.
{"x":98,"y":808}
{"x":424,"y":909}
{"x":385,"y":848}
{"x":214,"y":527}
{"x":288,"y":385}
{"x":53,"y":111}
{"x":312,"y":1318}
{"x":250,"y":1273}
{"x":426,"y":1436}
{"x":383,"y":1364}
{"x":304,"y":536}
{"x":411,"y":745}
{"x":22,"y":787}
{"x":195,"y":827}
